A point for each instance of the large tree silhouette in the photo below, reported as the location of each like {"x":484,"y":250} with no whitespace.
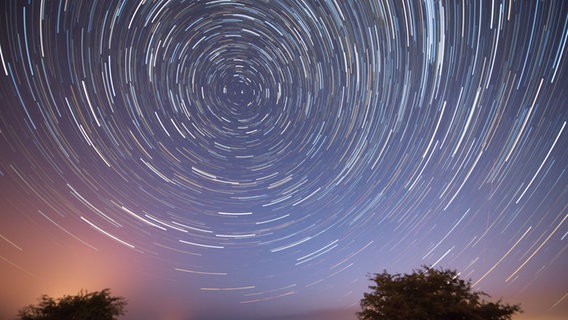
{"x":429,"y":294}
{"x":98,"y":305}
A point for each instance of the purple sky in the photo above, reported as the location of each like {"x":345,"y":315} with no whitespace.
{"x":257,"y":160}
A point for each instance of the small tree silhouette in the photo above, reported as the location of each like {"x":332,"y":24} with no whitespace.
{"x":429,"y":294}
{"x":98,"y":305}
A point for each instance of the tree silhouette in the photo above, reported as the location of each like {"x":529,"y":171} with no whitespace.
{"x":98,"y":305}
{"x":429,"y":294}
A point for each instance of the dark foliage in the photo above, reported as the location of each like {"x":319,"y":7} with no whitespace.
{"x":429,"y":294}
{"x":98,"y":305}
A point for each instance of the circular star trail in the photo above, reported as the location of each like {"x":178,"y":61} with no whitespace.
{"x":267,"y":151}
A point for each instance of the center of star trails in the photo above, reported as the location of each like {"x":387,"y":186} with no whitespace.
{"x":240,"y":93}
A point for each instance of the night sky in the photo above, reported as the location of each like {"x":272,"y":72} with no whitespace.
{"x":258,"y":159}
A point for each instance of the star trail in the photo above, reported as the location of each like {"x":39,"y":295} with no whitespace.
{"x":258,"y":159}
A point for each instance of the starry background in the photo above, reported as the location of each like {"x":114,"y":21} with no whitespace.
{"x":239,"y":159}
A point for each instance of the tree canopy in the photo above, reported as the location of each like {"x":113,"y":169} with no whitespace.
{"x":429,"y":294}
{"x":97,"y":305}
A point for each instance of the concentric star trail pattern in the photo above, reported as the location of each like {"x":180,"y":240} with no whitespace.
{"x":259,"y":158}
